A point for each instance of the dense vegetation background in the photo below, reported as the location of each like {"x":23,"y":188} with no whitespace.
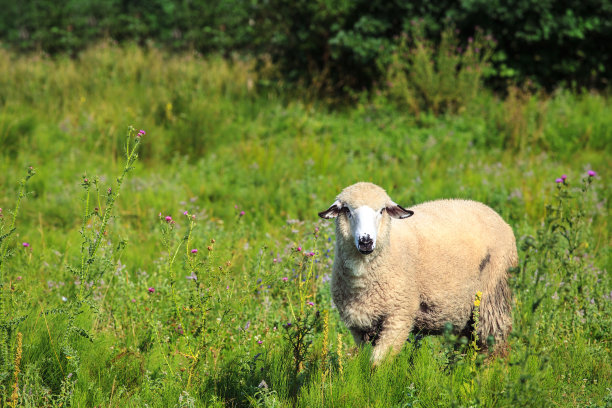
{"x":549,"y":42}
{"x":181,"y":262}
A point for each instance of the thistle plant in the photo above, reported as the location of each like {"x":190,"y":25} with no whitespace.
{"x":8,"y":312}
{"x":94,"y":262}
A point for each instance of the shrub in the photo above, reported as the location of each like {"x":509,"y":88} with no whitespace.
{"x":422,"y":76}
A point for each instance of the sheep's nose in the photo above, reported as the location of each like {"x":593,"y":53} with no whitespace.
{"x":366,"y":244}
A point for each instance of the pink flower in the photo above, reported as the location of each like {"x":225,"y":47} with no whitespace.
{"x":563,"y":177}
{"x":151,"y":290}
{"x":26,"y":244}
{"x":19,"y":278}
{"x":275,"y":260}
{"x":194,"y":251}
{"x":168,"y":218}
{"x":559,"y":180}
{"x":310,"y":303}
{"x":285,"y":279}
{"x":185,"y":213}
{"x":591,"y":174}
{"x":141,"y":133}
{"x":241,"y":213}
{"x":259,"y":341}
{"x":310,"y":253}
{"x":299,"y":249}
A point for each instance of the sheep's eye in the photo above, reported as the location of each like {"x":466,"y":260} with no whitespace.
{"x":347,"y":212}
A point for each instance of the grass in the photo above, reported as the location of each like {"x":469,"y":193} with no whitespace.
{"x":254,"y":167}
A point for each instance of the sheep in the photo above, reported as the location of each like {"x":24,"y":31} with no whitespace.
{"x":400,"y":270}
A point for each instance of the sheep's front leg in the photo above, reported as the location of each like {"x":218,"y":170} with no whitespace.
{"x":392,"y":337}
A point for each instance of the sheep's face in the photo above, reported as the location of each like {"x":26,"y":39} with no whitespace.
{"x":361,"y":210}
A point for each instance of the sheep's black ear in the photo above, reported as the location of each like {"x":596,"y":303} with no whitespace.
{"x":332,"y":211}
{"x":397,"y":211}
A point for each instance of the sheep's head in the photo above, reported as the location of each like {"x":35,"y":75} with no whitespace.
{"x":362,"y":211}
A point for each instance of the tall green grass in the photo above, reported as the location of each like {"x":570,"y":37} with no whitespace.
{"x":247,"y":319}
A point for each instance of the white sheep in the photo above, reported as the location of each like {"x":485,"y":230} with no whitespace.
{"x":393,"y":274}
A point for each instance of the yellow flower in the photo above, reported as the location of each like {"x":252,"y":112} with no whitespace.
{"x":478,"y":297}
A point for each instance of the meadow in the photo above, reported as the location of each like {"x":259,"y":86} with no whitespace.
{"x":160,"y":244}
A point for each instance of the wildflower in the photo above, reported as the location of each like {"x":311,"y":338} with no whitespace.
{"x":151,"y":290}
{"x":310,"y":303}
{"x":194,"y":251}
{"x":26,"y":244}
{"x":247,"y":325}
{"x":141,"y":133}
{"x":299,"y":249}
{"x":591,"y":173}
{"x":19,"y":278}
{"x":64,"y":299}
{"x":192,"y":276}
{"x":275,"y":260}
{"x":186,"y":213}
{"x":285,"y":279}
{"x":210,"y":248}
{"x":241,"y":213}
{"x":168,"y":218}
{"x":259,"y":341}
{"x":310,"y":253}
{"x":559,"y":180}
{"x":563,"y":177}
{"x":133,"y":300}
{"x":478,"y":298}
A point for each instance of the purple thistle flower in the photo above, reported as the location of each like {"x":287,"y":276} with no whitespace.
{"x":141,"y":133}
{"x":310,"y":303}
{"x":559,"y":180}
{"x":241,"y":213}
{"x":299,"y":249}
{"x":185,"y":213}
{"x":194,"y":251}
{"x":563,"y":177}
{"x":151,"y":290}
{"x":168,"y":218}
{"x":591,"y":173}
{"x":259,"y":341}
{"x":285,"y":279}
{"x":26,"y":244}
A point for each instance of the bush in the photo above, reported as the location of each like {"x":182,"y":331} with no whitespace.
{"x":421,"y":76}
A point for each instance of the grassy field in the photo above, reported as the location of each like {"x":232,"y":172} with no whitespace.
{"x":198,"y":273}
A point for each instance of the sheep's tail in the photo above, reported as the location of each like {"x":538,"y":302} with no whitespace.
{"x":496,"y":307}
